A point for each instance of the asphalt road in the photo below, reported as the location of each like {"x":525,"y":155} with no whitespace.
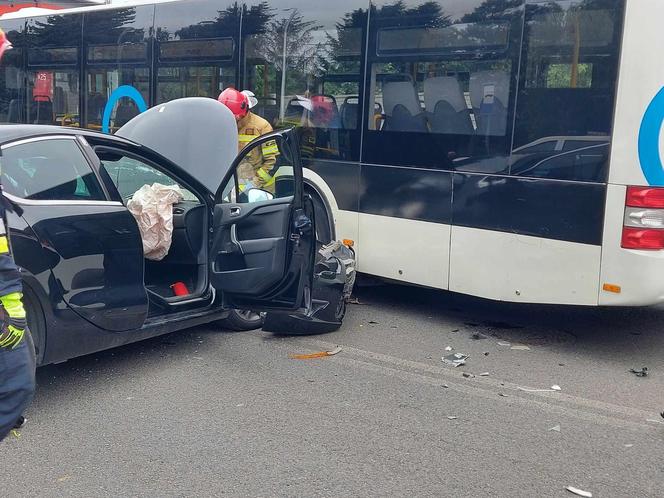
{"x":204,"y":413}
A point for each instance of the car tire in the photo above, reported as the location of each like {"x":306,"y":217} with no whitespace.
{"x":334,"y":313}
{"x":36,"y":322}
{"x":242,"y":321}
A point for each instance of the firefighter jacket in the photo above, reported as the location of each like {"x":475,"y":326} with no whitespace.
{"x":257,"y":168}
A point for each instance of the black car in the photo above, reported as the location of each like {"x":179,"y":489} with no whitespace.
{"x":88,"y":286}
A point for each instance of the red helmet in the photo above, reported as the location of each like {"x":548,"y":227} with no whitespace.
{"x":323,"y":109}
{"x":236,"y":101}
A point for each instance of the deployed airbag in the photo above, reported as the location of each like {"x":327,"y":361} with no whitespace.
{"x":152,"y":206}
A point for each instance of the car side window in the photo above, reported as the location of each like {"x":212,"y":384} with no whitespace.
{"x":50,"y":169}
{"x":129,"y":174}
{"x":264,"y":172}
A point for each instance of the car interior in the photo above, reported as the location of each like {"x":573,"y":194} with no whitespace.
{"x":186,"y":261}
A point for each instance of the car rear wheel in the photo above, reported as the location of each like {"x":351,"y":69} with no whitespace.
{"x":36,"y":322}
{"x":242,"y":320}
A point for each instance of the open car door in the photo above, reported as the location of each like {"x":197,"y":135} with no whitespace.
{"x":263,"y":241}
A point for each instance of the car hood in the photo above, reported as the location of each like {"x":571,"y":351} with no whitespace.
{"x":198,"y":134}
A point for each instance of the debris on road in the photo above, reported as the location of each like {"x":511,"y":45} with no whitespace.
{"x":452,"y":417}
{"x":319,"y":354}
{"x":484,"y":374}
{"x":555,"y":428}
{"x":468,"y":375}
{"x":640,"y":373}
{"x":486,"y":353}
{"x":579,"y":492}
{"x":507,"y":344}
{"x":445,"y":386}
{"x":477,"y":336}
{"x":628,"y":445}
{"x":556,"y":387}
{"x":528,"y":390}
{"x":455,"y":359}
{"x":503,"y":395}
{"x":373,"y":323}
{"x":449,"y":348}
{"x":520,"y":347}
{"x":662,"y":414}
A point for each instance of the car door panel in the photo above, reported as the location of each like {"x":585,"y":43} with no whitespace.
{"x":263,"y":251}
{"x":96,"y":259}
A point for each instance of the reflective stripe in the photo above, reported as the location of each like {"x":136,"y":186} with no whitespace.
{"x":4,"y":244}
{"x":265,"y":176}
{"x":245,"y":139}
{"x":270,"y":148}
{"x":2,"y":227}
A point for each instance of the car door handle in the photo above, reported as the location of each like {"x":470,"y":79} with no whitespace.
{"x":235,"y":211}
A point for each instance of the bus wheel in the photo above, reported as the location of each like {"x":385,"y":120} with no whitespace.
{"x":329,"y":318}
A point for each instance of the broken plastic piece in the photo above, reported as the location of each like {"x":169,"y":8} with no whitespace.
{"x":452,"y":417}
{"x":504,"y":344}
{"x":579,"y":492}
{"x":468,"y":375}
{"x":556,"y":387}
{"x":449,"y":348}
{"x":640,"y":373}
{"x":455,"y":359}
{"x":484,"y":374}
{"x":311,"y":356}
{"x":555,"y":428}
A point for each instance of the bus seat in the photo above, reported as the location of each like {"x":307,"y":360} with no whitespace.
{"x":41,"y":112}
{"x":446,"y":106}
{"x":59,"y":101}
{"x":402,"y":107}
{"x":16,"y":111}
{"x":489,"y":95}
{"x":349,"y":112}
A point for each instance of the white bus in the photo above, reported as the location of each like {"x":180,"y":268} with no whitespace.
{"x":508,"y":149}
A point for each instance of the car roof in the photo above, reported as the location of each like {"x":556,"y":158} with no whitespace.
{"x":13,"y":132}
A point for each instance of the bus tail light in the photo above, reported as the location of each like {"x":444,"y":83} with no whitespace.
{"x":643,"y":226}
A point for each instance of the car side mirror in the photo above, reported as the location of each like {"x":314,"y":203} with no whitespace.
{"x":258,"y":195}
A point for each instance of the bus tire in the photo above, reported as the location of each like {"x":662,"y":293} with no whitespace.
{"x":330,"y":317}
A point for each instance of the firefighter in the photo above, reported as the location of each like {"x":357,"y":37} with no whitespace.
{"x":257,"y":168}
{"x":17,"y":352}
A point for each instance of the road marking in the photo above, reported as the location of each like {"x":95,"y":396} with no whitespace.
{"x":552,"y":402}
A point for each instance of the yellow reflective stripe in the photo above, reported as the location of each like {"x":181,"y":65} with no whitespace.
{"x":264,"y":174}
{"x":245,"y":139}
{"x":270,"y":148}
{"x":4,"y":244}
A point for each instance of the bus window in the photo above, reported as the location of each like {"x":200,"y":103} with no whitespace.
{"x":196,"y":47}
{"x":12,"y":74}
{"x":567,"y":89}
{"x":117,"y":54}
{"x":442,"y":80}
{"x":53,"y":61}
{"x":304,"y":65}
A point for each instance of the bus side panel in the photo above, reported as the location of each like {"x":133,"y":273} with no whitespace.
{"x":405,"y":250}
{"x":519,"y":268}
{"x":639,"y":274}
{"x":641,"y":79}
